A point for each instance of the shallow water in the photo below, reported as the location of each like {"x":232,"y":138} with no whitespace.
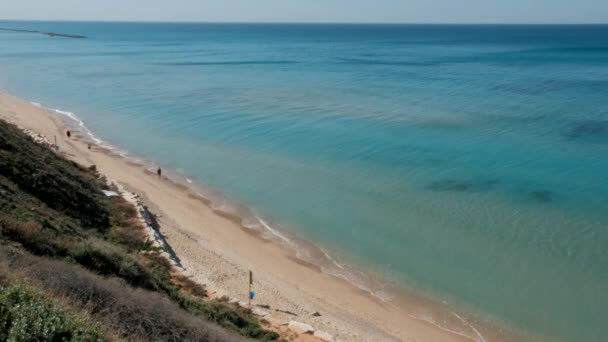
{"x":468,"y":162}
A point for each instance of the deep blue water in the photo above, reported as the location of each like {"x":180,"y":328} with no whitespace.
{"x":468,"y":162}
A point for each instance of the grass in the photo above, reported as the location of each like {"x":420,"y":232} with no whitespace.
{"x":53,"y":210}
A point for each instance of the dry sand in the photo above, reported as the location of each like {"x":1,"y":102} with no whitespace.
{"x":217,"y":251}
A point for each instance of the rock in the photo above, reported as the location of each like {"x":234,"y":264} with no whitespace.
{"x":165,"y":255}
{"x":233,"y":301}
{"x":276,"y":320}
{"x":301,"y":328}
{"x":323,"y":336}
{"x":316,"y":314}
{"x":260,"y":312}
{"x":286,"y":312}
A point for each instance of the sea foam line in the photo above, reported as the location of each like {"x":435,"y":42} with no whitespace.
{"x":75,"y":118}
{"x":481,"y":338}
{"x":274,"y":232}
{"x":430,"y":320}
{"x":332,"y":259}
{"x":339,"y":272}
{"x":80,"y":124}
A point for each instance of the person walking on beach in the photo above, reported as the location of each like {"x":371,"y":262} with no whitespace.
{"x":159,"y":172}
{"x":68,"y":133}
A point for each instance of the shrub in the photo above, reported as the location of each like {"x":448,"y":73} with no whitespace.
{"x":126,"y":229}
{"x":231,"y":317}
{"x":131,"y":314}
{"x":106,"y":259}
{"x":130,"y":237}
{"x":60,"y":184}
{"x":186,"y":284}
{"x":27,"y":316}
{"x":32,"y":236}
{"x":122,"y":213}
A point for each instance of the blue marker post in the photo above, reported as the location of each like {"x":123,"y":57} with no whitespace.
{"x":251,"y":292}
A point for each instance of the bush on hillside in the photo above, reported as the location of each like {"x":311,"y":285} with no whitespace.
{"x":126,"y":229}
{"x":32,"y":236}
{"x":60,"y":184}
{"x":131,"y":314}
{"x":27,"y":316}
{"x":106,"y":259}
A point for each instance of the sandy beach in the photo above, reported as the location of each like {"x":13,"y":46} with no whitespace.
{"x":215,"y":250}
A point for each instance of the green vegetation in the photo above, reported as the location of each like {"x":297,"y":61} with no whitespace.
{"x":26,"y":315}
{"x":53,"y":213}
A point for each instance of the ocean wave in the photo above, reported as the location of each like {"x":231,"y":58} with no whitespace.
{"x":428,"y":318}
{"x":80,"y":124}
{"x":332,"y":260}
{"x":228,"y":63}
{"x":364,"y":61}
{"x":275,"y":232}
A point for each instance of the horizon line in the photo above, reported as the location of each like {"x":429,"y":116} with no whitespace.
{"x":306,"y":22}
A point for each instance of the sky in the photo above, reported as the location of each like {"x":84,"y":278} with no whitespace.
{"x":358,"y":11}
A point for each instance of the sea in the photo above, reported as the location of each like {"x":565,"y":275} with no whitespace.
{"x":466,"y":163}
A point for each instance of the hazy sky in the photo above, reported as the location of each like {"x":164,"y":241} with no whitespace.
{"x":452,"y":11}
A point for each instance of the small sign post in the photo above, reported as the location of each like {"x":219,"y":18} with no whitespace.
{"x":251,"y":293}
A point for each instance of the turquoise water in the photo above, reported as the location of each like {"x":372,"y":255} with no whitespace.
{"x":466,"y":161}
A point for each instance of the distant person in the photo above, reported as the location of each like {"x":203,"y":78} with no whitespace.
{"x":159,"y":172}
{"x":68,"y":133}
{"x":89,"y":146}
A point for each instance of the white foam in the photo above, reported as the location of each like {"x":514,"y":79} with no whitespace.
{"x":331,"y":259}
{"x":340,"y":271}
{"x":348,"y":277}
{"x":223,"y":207}
{"x":70,"y":115}
{"x":427,"y":317}
{"x":479,"y":335}
{"x":274,"y":232}
{"x":80,"y":124}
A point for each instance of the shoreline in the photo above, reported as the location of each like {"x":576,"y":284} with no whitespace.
{"x":305,"y":252}
{"x":217,"y":248}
